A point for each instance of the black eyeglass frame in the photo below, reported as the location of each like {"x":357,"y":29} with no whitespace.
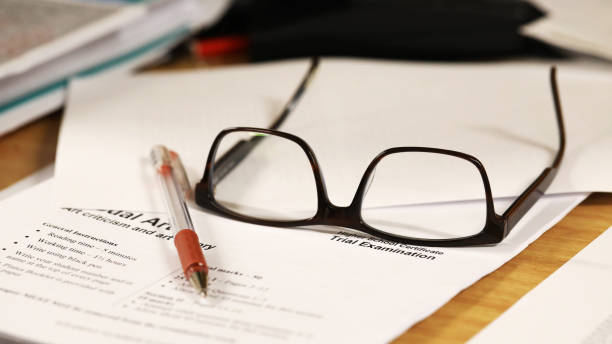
{"x":496,"y":227}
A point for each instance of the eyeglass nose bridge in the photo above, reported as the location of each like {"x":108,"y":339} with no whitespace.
{"x":339,"y":216}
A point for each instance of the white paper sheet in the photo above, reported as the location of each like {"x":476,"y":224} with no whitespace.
{"x":581,"y":26}
{"x":573,"y":305}
{"x":501,"y":113}
{"x":113,"y":277}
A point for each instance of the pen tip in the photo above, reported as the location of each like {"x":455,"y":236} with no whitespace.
{"x":199,"y":280}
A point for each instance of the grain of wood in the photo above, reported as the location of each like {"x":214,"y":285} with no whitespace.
{"x":29,"y":149}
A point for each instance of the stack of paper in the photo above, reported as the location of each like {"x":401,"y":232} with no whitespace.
{"x":43,"y":43}
{"x":96,"y":259}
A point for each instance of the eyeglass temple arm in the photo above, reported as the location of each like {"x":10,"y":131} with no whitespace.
{"x":230,"y":159}
{"x":531,"y":195}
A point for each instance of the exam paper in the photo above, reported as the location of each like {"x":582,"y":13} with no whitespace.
{"x":501,"y":113}
{"x":112,"y":276}
{"x":573,"y":305}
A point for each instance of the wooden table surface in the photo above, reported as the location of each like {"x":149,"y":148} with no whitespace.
{"x":32,"y":147}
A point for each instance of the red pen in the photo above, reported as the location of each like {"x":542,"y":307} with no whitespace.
{"x":185,"y":238}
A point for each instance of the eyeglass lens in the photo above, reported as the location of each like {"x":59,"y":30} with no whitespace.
{"x":273,"y":182}
{"x":401,"y":178}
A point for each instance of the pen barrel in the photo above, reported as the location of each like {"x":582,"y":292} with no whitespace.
{"x":190,"y":253}
{"x":169,"y":171}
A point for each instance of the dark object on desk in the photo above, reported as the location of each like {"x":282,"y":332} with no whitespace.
{"x":417,"y":29}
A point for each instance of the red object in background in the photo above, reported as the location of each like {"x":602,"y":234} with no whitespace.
{"x":219,"y":46}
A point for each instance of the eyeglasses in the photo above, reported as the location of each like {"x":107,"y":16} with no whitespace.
{"x":272,"y":178}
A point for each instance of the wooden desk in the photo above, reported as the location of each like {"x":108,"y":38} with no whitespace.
{"x":33,"y":147}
